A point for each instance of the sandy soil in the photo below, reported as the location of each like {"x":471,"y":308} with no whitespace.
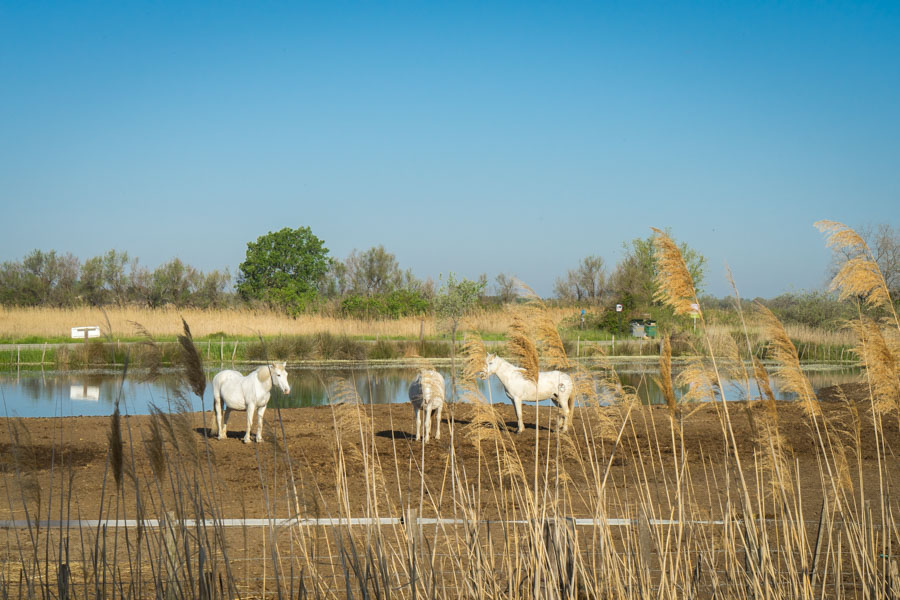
{"x":41,"y":458}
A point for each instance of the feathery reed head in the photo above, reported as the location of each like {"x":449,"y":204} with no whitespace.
{"x":675,"y":286}
{"x":765,"y":389}
{"x":788,"y":370}
{"x":664,"y":381}
{"x":485,"y":424}
{"x":151,"y":357}
{"x":551,"y":344}
{"x":116,"y":447}
{"x":700,"y":380}
{"x":859,"y":276}
{"x":154,"y":444}
{"x":474,"y":356}
{"x":193,"y":363}
{"x":881,"y":362}
{"x":522,"y":348}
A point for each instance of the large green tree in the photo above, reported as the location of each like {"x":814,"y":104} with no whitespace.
{"x":283,"y":268}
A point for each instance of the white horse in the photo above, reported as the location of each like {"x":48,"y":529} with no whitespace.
{"x":426,"y":394}
{"x":555,"y":385}
{"x":247,"y":392}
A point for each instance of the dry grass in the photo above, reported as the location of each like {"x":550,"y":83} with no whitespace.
{"x":18,"y":323}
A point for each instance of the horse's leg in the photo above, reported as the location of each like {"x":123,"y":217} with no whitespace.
{"x":251,"y":410}
{"x":427,"y":418}
{"x":563,"y":423}
{"x":223,"y":430}
{"x":517,"y":404}
{"x":437,"y":421}
{"x":217,"y":412}
{"x":259,"y":416}
{"x":416,"y":411}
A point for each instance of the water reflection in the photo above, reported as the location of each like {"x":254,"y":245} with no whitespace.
{"x":48,"y":394}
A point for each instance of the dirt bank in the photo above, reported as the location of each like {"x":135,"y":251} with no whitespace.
{"x":43,"y":458}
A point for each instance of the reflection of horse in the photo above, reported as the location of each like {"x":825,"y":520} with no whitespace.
{"x":555,"y":385}
{"x":247,"y":392}
{"x":426,"y":393}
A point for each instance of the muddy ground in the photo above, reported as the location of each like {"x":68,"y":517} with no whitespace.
{"x":62,"y":467}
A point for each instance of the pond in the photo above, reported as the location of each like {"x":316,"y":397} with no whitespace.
{"x":72,"y":393}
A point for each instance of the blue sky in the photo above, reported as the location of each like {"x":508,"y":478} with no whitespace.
{"x":467,"y":137}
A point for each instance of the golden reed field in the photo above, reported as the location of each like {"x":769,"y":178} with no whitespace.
{"x":16,"y":323}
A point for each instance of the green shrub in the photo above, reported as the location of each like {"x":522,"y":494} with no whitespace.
{"x":384,"y":350}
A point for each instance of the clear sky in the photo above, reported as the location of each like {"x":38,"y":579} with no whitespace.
{"x":468,"y":137}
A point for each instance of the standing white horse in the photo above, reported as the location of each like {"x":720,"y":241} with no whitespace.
{"x":247,"y":392}
{"x":426,"y":394}
{"x":555,"y":385}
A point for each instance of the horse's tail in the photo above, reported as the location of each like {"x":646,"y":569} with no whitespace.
{"x":425,"y":383}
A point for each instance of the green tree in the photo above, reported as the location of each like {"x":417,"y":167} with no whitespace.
{"x":634,"y":280}
{"x":114,"y":276}
{"x":284,"y":268}
{"x":455,"y":300}
{"x":173,"y":283}
{"x":373,"y":272}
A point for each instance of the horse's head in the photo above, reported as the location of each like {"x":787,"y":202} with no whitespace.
{"x":280,"y":377}
{"x":490,"y":366}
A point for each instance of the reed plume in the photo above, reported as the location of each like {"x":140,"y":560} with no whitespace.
{"x":675,"y":286}
{"x":788,"y":369}
{"x":881,"y":362}
{"x":522,"y":348}
{"x":474,"y":356}
{"x":664,"y":381}
{"x":484,"y":423}
{"x":765,"y":388}
{"x":116,"y":447}
{"x":151,"y":356}
{"x":155,"y":448}
{"x":700,"y":380}
{"x":193,"y":363}
{"x":860,"y":276}
{"x":349,"y":417}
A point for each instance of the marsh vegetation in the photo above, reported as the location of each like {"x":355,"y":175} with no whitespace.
{"x":699,"y":498}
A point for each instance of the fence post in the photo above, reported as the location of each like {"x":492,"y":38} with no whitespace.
{"x":577,"y":346}
{"x":171,"y":554}
{"x":413,"y":528}
{"x":644,"y":543}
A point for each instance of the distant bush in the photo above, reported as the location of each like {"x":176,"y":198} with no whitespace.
{"x":815,"y":309}
{"x":396,"y":304}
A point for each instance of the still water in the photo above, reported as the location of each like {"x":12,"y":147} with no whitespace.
{"x":63,"y":394}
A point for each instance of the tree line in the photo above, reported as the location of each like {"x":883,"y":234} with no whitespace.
{"x":114,"y":278}
{"x":292,"y":270}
